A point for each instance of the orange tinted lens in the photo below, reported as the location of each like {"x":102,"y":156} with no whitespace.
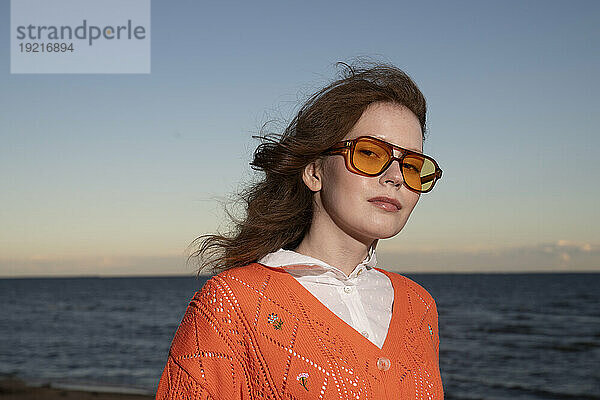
{"x":369,"y":157}
{"x":418,"y":172}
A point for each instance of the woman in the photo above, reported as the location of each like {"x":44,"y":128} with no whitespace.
{"x":298,"y":309}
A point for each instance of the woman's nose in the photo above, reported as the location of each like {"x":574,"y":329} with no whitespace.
{"x":393,"y":174}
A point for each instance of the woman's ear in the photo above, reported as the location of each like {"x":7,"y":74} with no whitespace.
{"x":312,"y":175}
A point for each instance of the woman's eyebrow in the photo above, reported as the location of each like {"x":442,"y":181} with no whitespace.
{"x":407,"y":148}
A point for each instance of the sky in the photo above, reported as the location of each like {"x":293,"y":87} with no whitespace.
{"x":116,"y":174}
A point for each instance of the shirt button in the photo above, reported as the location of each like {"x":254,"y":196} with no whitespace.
{"x":347,"y":289}
{"x":383,"y":363}
{"x":365,"y":334}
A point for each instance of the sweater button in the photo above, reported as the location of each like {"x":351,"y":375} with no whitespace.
{"x":383,"y":363}
{"x":347,"y":289}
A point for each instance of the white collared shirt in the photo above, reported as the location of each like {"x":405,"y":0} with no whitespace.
{"x":363,"y":299}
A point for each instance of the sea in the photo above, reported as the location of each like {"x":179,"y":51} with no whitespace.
{"x":502,"y":336}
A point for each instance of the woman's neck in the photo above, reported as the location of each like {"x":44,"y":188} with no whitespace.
{"x":342,"y":253}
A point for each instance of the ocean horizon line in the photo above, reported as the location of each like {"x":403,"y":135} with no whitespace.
{"x":155,"y":276}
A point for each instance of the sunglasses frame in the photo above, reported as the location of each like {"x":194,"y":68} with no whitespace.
{"x":347,"y":147}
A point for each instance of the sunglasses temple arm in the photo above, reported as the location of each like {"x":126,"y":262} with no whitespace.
{"x":335,"y":150}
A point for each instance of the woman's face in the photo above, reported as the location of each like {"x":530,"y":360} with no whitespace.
{"x":344,"y":200}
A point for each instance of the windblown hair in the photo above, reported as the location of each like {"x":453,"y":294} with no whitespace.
{"x":279,"y":208}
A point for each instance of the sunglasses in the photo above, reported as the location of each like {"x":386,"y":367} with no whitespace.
{"x":369,"y":156}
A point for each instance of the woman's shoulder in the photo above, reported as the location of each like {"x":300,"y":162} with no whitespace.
{"x":233,"y":296}
{"x":248,"y":275}
{"x":238,"y":282}
{"x":414,"y":289}
{"x":225,"y":294}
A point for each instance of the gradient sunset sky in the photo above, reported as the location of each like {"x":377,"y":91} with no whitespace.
{"x":117,"y":174}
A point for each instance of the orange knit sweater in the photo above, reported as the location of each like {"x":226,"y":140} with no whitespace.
{"x":255,"y":332}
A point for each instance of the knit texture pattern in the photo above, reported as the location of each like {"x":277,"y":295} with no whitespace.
{"x":254,"y":332}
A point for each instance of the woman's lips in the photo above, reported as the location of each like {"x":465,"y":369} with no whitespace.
{"x":386,"y":203}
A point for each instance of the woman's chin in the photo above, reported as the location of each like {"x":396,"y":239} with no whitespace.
{"x":385,"y":233}
{"x":387,"y":230}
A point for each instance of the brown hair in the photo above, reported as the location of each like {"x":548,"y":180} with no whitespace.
{"x":279,"y":208}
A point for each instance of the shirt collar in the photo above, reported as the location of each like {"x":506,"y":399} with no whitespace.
{"x":300,"y":263}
